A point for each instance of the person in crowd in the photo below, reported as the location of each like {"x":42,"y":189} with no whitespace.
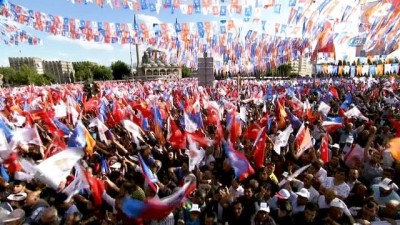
{"x":383,"y":192}
{"x":338,"y":214}
{"x":262,"y":216}
{"x":358,"y":196}
{"x":368,"y":212}
{"x":338,"y":183}
{"x":308,"y":216}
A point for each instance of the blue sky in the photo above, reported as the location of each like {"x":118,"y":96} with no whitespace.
{"x":60,"y":48}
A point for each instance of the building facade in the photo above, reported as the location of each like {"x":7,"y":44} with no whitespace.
{"x":18,"y":62}
{"x":302,"y":66}
{"x":61,"y":71}
{"x":155,"y":67}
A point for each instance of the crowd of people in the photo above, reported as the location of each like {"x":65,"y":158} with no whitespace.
{"x":301,"y":152}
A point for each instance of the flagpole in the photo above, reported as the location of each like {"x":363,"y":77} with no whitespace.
{"x":137,"y":49}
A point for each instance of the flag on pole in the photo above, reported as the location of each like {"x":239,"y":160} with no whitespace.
{"x":324,"y":148}
{"x":282,"y":139}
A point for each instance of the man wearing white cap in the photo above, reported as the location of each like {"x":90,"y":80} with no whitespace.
{"x":262,"y":216}
{"x":299,"y":200}
{"x":383,"y":192}
{"x":338,"y":214}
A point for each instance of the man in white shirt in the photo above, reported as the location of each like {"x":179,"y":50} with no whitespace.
{"x":338,"y":184}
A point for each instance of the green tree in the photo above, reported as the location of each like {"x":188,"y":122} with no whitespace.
{"x":185,"y":72}
{"x":8,"y":73}
{"x":120,"y":69}
{"x":83,"y":74}
{"x":22,"y":76}
{"x":83,"y":70}
{"x":284,"y":70}
{"x":101,"y":73}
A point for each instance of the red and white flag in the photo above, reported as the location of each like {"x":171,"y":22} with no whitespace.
{"x":303,"y":140}
{"x":324,"y":148}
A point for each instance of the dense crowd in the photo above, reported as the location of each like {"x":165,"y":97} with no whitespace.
{"x":171,"y":152}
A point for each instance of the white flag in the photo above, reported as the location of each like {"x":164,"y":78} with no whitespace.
{"x":184,"y":8}
{"x":80,"y":182}
{"x":4,"y":149}
{"x":55,"y":169}
{"x":282,"y":139}
{"x":324,"y":108}
{"x":25,"y":136}
{"x":195,"y":154}
{"x":60,"y":110}
{"x":101,"y":128}
{"x":134,"y":129}
{"x":242,"y":114}
{"x":355,"y":112}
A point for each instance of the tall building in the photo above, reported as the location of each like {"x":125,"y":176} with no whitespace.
{"x":18,"y":62}
{"x":61,"y":71}
{"x":302,"y":66}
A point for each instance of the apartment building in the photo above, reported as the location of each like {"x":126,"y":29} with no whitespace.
{"x":302,"y":66}
{"x":18,"y":62}
{"x":61,"y":71}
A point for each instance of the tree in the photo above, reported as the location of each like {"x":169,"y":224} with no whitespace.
{"x":101,"y":73}
{"x":8,"y":73}
{"x":120,"y":69}
{"x":83,"y":74}
{"x":83,"y":70}
{"x":284,"y":70}
{"x":185,"y":72}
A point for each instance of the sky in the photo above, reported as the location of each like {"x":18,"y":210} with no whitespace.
{"x":61,"y":48}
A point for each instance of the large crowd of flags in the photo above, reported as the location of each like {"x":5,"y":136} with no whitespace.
{"x":64,"y":115}
{"x":241,"y":39}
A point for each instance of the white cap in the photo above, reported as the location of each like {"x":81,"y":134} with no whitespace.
{"x":116,"y":165}
{"x":195,"y":208}
{"x":17,"y":197}
{"x":264,"y":207}
{"x":336,"y":145}
{"x":386,"y":184}
{"x":337,"y":203}
{"x":283,"y":194}
{"x":303,"y":193}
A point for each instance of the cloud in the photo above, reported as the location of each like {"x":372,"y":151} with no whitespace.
{"x":148,"y":19}
{"x":62,"y":54}
{"x":84,"y":44}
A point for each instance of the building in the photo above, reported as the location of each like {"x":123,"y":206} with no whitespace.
{"x":302,"y":66}
{"x":153,"y":67}
{"x":61,"y":71}
{"x":18,"y":62}
{"x":205,"y":71}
